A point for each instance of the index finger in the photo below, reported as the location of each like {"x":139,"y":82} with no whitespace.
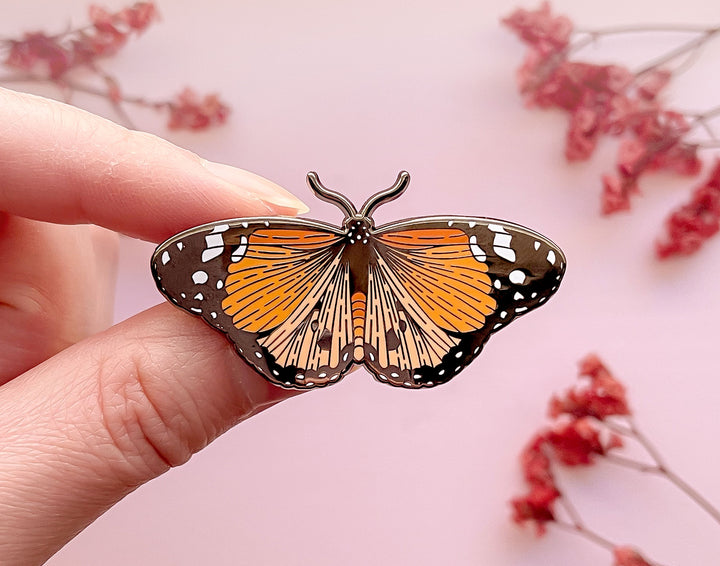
{"x":64,"y":165}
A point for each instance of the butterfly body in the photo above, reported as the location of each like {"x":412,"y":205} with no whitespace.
{"x":304,"y":301}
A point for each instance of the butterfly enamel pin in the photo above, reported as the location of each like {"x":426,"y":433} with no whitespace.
{"x":413,"y":301}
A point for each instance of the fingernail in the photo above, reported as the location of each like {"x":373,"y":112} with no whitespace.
{"x":267,"y":191}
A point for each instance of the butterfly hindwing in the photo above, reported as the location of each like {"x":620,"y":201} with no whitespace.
{"x":278,"y":289}
{"x":439,"y":287}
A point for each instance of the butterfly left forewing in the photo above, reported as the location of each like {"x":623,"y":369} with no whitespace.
{"x":439,"y":287}
{"x":277,"y":288}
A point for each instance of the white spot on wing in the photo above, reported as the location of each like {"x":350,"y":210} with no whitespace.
{"x":496,"y":228}
{"x":199,"y":277}
{"x":219,"y":284}
{"x":179,"y":246}
{"x":517,"y":277}
{"x":502,"y":240}
{"x":213,"y":240}
{"x":536,"y":245}
{"x":551,"y":257}
{"x":219,"y":229}
{"x":239,"y":252}
{"x":165,"y":257}
{"x":477,"y":252}
{"x":199,"y":297}
{"x":211,"y":253}
{"x":518,"y":296}
{"x":505,"y":253}
{"x":244,"y":224}
{"x":471,"y":224}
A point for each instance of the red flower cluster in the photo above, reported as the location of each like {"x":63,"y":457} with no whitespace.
{"x":604,"y":395}
{"x":189,"y":111}
{"x":537,"y":505}
{"x":604,"y":100}
{"x":693,"y":223}
{"x":45,"y":57}
{"x":53,"y":56}
{"x":657,"y":144}
{"x":571,"y":442}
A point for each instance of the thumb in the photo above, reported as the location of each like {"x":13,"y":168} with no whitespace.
{"x":88,"y":426}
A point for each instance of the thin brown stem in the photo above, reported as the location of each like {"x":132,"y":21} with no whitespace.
{"x":572,"y":512}
{"x":661,"y":468}
{"x":591,"y":535}
{"x":634,"y":28}
{"x":87,"y":89}
{"x":713,"y":144}
{"x":633,"y":464}
{"x":592,"y":35}
{"x":678,"y":51}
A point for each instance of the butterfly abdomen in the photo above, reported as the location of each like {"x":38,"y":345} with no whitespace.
{"x":358,"y":302}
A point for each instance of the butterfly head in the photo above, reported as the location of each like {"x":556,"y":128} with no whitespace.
{"x":352,"y":215}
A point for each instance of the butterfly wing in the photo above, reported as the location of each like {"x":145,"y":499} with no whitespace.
{"x":278,"y":289}
{"x":439,"y":287}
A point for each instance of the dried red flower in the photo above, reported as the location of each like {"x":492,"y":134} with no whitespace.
{"x":689,"y":226}
{"x":583,"y":133}
{"x":602,"y":397}
{"x":536,"y":464}
{"x":536,"y":507}
{"x":576,"y":441}
{"x":38,"y":52}
{"x":610,"y":100}
{"x":651,"y":83}
{"x":190,"y":111}
{"x":540,"y":28}
{"x":44,"y":57}
{"x":52,"y":56}
{"x":626,"y":556}
{"x":616,"y":193}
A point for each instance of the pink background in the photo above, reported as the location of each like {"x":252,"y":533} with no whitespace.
{"x":364,"y":474}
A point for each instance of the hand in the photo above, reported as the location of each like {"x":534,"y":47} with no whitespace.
{"x":89,"y":413}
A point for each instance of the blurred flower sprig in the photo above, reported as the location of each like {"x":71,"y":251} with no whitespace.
{"x":612,"y":100}
{"x":62,"y":58}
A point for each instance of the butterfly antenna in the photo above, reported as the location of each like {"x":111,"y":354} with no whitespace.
{"x":387,"y":195}
{"x":328,"y":195}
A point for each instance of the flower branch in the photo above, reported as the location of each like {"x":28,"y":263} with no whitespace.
{"x":592,"y":420}
{"x":611,"y":100}
{"x":56,"y":58}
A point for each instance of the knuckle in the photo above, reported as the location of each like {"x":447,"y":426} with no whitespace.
{"x":148,"y":441}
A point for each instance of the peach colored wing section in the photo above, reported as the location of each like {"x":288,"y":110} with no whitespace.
{"x":399,"y":334}
{"x":318,"y":335}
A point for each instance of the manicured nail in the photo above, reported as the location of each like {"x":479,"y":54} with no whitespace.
{"x":267,"y":191}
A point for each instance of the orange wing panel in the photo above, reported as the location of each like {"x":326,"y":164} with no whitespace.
{"x":439,"y":271}
{"x":279,"y":270}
